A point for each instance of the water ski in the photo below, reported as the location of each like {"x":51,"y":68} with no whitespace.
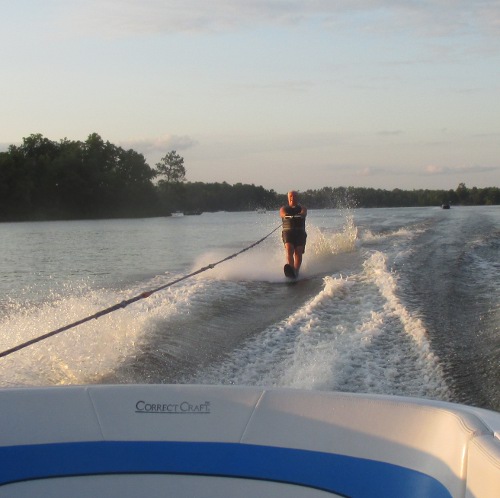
{"x":289,"y":271}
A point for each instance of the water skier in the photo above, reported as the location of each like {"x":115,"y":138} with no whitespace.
{"x":294,"y":233}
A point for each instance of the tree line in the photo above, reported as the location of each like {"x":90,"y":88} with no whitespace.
{"x":328,"y":197}
{"x":46,"y":180}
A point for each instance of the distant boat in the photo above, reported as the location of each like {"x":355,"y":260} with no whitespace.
{"x":445,"y":205}
{"x":193,"y":212}
{"x":177,"y":214}
{"x":261,"y":210}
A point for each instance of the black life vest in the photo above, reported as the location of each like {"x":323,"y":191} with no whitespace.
{"x":291,"y":220}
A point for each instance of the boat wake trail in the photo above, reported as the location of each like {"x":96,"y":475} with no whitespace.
{"x":340,"y":327}
{"x":353,"y":335}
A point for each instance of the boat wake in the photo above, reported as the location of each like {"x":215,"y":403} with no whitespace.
{"x":353,"y":335}
{"x":340,"y":327}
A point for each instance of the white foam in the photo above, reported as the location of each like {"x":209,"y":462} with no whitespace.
{"x":91,"y":350}
{"x":259,"y":264}
{"x":347,"y":337}
{"x":369,"y":237}
{"x":265,"y":262}
{"x":355,"y":334}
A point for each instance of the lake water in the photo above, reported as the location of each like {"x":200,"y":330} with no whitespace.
{"x":393,"y":301}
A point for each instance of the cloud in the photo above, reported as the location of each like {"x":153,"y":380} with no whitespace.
{"x":378,"y":171}
{"x":159,"y":145}
{"x":390,"y":133}
{"x":367,"y":172}
{"x":433,"y":169}
{"x":437,"y":18}
{"x":293,"y":86}
{"x":430,"y":170}
{"x":123,"y":17}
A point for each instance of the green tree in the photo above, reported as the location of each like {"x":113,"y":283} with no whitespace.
{"x":463,"y":193}
{"x":172,"y":192}
{"x":171,"y":168}
{"x":135,"y":190}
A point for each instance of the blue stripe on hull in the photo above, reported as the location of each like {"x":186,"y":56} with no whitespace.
{"x":344,"y":475}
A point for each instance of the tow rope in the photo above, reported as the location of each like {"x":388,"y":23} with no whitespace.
{"x":125,"y":303}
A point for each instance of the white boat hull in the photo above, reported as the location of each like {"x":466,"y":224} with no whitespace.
{"x":215,"y":441}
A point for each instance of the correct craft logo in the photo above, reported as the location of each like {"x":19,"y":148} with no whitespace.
{"x":182,"y":408}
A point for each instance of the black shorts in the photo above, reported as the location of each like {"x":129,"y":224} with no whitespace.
{"x":294,"y":237}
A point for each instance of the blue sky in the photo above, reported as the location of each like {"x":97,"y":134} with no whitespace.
{"x":284,"y":94}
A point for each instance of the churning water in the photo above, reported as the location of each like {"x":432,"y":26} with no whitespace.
{"x":393,"y":301}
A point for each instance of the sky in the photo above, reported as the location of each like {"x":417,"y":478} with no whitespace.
{"x":296,"y":94}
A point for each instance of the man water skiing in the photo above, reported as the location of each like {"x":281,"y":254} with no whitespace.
{"x":294,"y":233}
